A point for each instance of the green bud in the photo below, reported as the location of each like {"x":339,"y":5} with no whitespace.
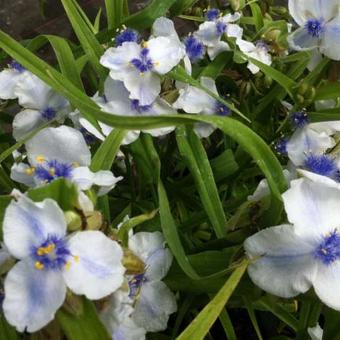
{"x":73,"y":220}
{"x":300,"y":99}
{"x":268,"y":81}
{"x":303,"y":88}
{"x":94,"y":220}
{"x":74,"y":304}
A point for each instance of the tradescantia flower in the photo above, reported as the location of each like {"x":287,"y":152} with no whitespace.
{"x":9,"y":78}
{"x":319,"y":23}
{"x":289,"y":259}
{"x":258,"y":51}
{"x":87,"y":262}
{"x":196,"y":101}
{"x":61,"y":152}
{"x":40,"y":103}
{"x":210,"y":33}
{"x":153,"y":300}
{"x":116,"y":101}
{"x":140,"y":66}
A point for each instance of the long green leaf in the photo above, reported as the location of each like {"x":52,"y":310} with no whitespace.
{"x":200,"y":326}
{"x":329,"y":90}
{"x":114,"y":12}
{"x":193,"y":152}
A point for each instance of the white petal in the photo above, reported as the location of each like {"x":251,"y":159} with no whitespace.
{"x":144,"y":87}
{"x":27,"y":224}
{"x":253,"y":68}
{"x":97,"y":270}
{"x":128,"y":330}
{"x":214,"y":51}
{"x":307,"y":140}
{"x":315,"y":60}
{"x":90,"y":128}
{"x":32,"y":296}
{"x":118,"y":59}
{"x":234,"y":31}
{"x":301,"y":40}
{"x":312,"y":207}
{"x":165,"y":54}
{"x":86,"y":205}
{"x":327,"y":284}
{"x":164,"y":27}
{"x":245,"y":46}
{"x":64,"y":144}
{"x":9,"y":78}
{"x":319,"y":178}
{"x":154,"y":306}
{"x":330,"y":46}
{"x":115,"y":90}
{"x":284,"y":263}
{"x":106,"y":181}
{"x":231,"y":17}
{"x":207,"y":33}
{"x":19,"y":173}
{"x":83,"y":177}
{"x":204,"y":130}
{"x":315,"y":333}
{"x":25,"y":122}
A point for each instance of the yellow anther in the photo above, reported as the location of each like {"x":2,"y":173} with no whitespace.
{"x":141,"y":74}
{"x":39,"y":265}
{"x":52,"y":171}
{"x":75,"y":164}
{"x":76,"y":259}
{"x":157,"y":63}
{"x":30,"y":171}
{"x":46,"y":250}
{"x":67,"y":265}
{"x":40,"y":159}
{"x":144,"y":44}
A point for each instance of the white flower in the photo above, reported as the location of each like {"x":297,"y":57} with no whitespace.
{"x":117,"y":318}
{"x":196,"y":101}
{"x":140,"y":66}
{"x":212,"y":31}
{"x":258,"y":52}
{"x":116,"y":101}
{"x":88,"y":263}
{"x":154,"y":301}
{"x":289,"y":259}
{"x":9,"y":78}
{"x":61,"y":152}
{"x":40,"y":103}
{"x":319,"y":23}
{"x":315,"y":333}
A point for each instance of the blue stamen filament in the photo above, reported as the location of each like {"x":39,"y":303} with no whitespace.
{"x":221,"y":109}
{"x":135,"y":284}
{"x":299,"y":119}
{"x":314,"y":27}
{"x":143,"y":63}
{"x":281,"y":146}
{"x":212,"y":14}
{"x":321,"y":164}
{"x":328,"y":250}
{"x":139,"y":108}
{"x":220,"y":27}
{"x":127,"y":35}
{"x":49,"y":113}
{"x":194,"y":48}
{"x":16,"y":66}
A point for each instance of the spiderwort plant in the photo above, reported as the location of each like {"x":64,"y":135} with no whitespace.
{"x":50,"y":261}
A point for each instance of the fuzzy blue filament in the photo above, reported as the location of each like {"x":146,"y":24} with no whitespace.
{"x":49,"y":113}
{"x":51,"y":170}
{"x":221,"y":109}
{"x":220,"y":27}
{"x":139,"y":108}
{"x":53,"y":253}
{"x":314,"y":27}
{"x":320,"y":164}
{"x":329,"y":249}
{"x":212,"y":14}
{"x":16,"y":66}
{"x":281,"y":146}
{"x":128,"y":35}
{"x":143,"y":63}
{"x":194,"y":48}
{"x":135,"y":284}
{"x":299,"y":119}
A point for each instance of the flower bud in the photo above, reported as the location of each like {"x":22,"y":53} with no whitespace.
{"x":94,"y":220}
{"x":73,"y":220}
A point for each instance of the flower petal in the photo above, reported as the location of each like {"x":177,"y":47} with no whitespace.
{"x":19,"y":173}
{"x":9,"y":78}
{"x":32,"y":296}
{"x":207,"y":33}
{"x":96,"y":270}
{"x":154,"y":306}
{"x":214,"y":51}
{"x":64,"y":144}
{"x":330,"y":46}
{"x":301,"y":40}
{"x":27,"y":224}
{"x":25,"y":122}
{"x":312,"y":207}
{"x":284,"y":264}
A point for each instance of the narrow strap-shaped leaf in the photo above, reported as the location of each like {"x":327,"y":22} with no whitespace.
{"x":201,"y":325}
{"x":114,"y":12}
{"x":86,"y":37}
{"x":106,"y":153}
{"x":193,"y":152}
{"x":330,"y":90}
{"x":257,"y":15}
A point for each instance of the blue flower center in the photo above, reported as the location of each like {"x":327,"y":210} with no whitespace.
{"x":128,"y":35}
{"x":299,"y":119}
{"x":220,"y":27}
{"x":314,"y":27}
{"x":49,"y":113}
{"x":48,"y":171}
{"x":135,"y":285}
{"x":139,"y":108}
{"x":194,"y":48}
{"x":321,"y":164}
{"x":281,"y":146}
{"x":212,"y":14}
{"x":53,"y":253}
{"x":329,"y":249}
{"x":221,"y":109}
{"x":143,"y":63}
{"x":16,"y":66}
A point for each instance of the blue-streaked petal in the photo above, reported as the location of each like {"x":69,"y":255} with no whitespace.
{"x":330,"y":45}
{"x":27,"y":224}
{"x":283,"y":262}
{"x":95,"y":269}
{"x":301,"y":40}
{"x":32,"y":296}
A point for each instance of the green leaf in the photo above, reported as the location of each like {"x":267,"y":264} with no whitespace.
{"x":62,"y":191}
{"x":215,"y":67}
{"x":201,"y":325}
{"x":257,"y":15}
{"x":114,"y":12}
{"x":85,"y":325}
{"x":224,"y":165}
{"x":181,"y":5}
{"x":86,"y":37}
{"x":7,"y":332}
{"x":146,"y":17}
{"x":193,"y":152}
{"x":106,"y":153}
{"x":330,"y":90}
